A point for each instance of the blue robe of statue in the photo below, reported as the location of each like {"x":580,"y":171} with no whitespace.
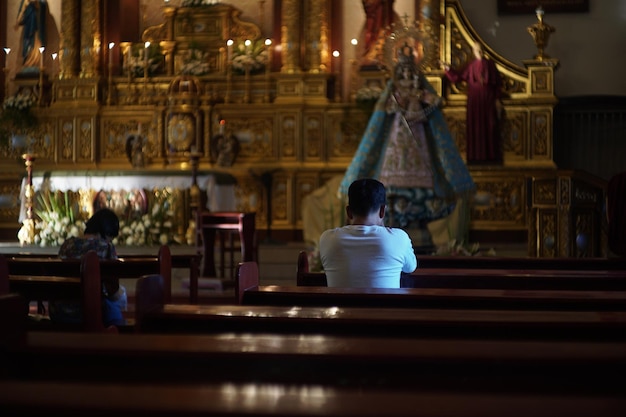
{"x":408,"y":147}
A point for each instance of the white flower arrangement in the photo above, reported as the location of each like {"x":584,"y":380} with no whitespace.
{"x":195,"y":62}
{"x":152,"y":228}
{"x":16,"y":116}
{"x":254,"y":57}
{"x":368,"y":94}
{"x":20,"y":101}
{"x":198,"y":3}
{"x":57,"y":220}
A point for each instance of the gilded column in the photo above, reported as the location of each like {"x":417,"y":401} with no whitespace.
{"x":430,"y":19}
{"x":90,"y":39}
{"x":70,"y":29}
{"x":290,"y":36}
{"x":317,"y":51}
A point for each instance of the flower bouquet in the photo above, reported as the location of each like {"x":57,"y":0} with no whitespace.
{"x":136,"y":62}
{"x":56,"y":220}
{"x":195,"y":62}
{"x":16,"y":117}
{"x":152,"y":228}
{"x":253,"y":57}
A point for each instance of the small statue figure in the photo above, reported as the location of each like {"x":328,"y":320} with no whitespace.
{"x":134,"y":150}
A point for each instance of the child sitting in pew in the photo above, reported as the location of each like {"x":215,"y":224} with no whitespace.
{"x":100,"y":229}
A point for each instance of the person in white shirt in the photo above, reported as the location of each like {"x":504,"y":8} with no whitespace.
{"x":365,"y":253}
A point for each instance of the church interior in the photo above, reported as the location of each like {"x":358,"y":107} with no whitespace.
{"x":253,"y":106}
{"x":222,"y":135}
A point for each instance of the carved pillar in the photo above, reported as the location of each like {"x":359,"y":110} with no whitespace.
{"x":430,"y":19}
{"x":290,"y":36}
{"x":70,"y":28}
{"x":90,"y":39}
{"x":317,"y":49}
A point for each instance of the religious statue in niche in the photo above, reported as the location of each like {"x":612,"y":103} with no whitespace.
{"x":379,"y":17}
{"x":32,"y":18}
{"x":224,"y":147}
{"x":134,"y":150}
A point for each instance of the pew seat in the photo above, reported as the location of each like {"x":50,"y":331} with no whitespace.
{"x":33,"y":399}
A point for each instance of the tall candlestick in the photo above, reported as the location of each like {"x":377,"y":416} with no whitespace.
{"x":41,"y":50}
{"x":110,"y":89}
{"x":7,"y":51}
{"x":337,"y":70}
{"x":229,"y":44}
{"x":111,"y":45}
{"x":145,"y":53}
{"x":268,"y":44}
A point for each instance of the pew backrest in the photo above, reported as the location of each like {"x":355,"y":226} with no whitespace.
{"x":499,"y":273}
{"x":4,"y":275}
{"x":129,"y":267}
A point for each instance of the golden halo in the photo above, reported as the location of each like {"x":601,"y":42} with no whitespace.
{"x":401,"y":36}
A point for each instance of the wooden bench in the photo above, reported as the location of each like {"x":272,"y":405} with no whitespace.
{"x":460,"y":365}
{"x":249,"y":292}
{"x":385,"y":322}
{"x":23,"y":268}
{"x":76,"y":278}
{"x":498,"y":275}
{"x":72,"y":399}
{"x":157,"y":316}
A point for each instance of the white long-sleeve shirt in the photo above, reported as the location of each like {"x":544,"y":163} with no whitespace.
{"x":366,"y":256}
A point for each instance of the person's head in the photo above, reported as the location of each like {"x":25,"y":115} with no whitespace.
{"x":103,"y":223}
{"x":366,"y":197}
{"x":477,"y":49}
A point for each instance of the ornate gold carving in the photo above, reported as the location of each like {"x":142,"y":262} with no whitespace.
{"x":513,"y":130}
{"x":288,"y":132}
{"x":540,"y":133}
{"x":564,"y":191}
{"x":544,"y":191}
{"x":313,"y":135}
{"x":290,"y":39}
{"x":89,"y":39}
{"x":70,"y":10}
{"x":499,"y":200}
{"x":547,"y":233}
{"x":255,"y":137}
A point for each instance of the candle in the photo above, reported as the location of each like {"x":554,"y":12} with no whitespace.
{"x":229,"y":43}
{"x":111,"y":45}
{"x":222,"y":126}
{"x":41,"y":49}
{"x":354,"y":43}
{"x":248,"y":43}
{"x":145,"y":53}
{"x":268,"y":44}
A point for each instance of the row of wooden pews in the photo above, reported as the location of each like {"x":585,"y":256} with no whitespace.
{"x":41,"y":278}
{"x":487,"y":272}
{"x":311,"y":351}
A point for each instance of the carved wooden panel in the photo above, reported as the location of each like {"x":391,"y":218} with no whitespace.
{"x":500,"y":200}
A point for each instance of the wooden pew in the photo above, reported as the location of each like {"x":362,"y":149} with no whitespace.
{"x":386,"y":322}
{"x":249,"y":292}
{"x":77,"y":278}
{"x":159,"y":317}
{"x":33,"y":399}
{"x":21,"y":266}
{"x":459,"y":365}
{"x":499,"y":275}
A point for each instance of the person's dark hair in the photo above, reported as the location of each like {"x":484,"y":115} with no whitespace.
{"x":365,"y":196}
{"x":104,"y":222}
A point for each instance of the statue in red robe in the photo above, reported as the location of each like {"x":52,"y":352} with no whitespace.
{"x":484,"y":143}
